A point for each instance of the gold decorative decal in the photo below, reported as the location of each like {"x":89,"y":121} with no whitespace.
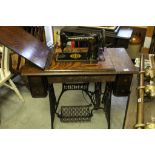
{"x":75,"y":56}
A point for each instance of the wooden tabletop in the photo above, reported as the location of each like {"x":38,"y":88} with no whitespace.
{"x":116,"y":61}
{"x":24,"y":44}
{"x":121,"y":61}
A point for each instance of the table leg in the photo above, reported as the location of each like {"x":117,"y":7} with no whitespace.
{"x":52,"y":99}
{"x":59,"y":98}
{"x":107,"y":102}
{"x":97,"y":95}
{"x":126,"y":110}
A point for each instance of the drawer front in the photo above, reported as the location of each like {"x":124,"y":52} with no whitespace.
{"x":38,"y":86}
{"x":121,"y":86}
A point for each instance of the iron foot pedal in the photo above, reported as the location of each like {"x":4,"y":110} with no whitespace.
{"x":75,"y":114}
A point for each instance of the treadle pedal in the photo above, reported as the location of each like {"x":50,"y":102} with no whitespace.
{"x":75,"y":114}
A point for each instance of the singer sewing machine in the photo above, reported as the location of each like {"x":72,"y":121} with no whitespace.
{"x":81,"y":44}
{"x":43,"y":70}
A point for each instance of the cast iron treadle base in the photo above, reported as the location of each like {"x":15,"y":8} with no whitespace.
{"x":75,"y":86}
{"x":75,"y":113}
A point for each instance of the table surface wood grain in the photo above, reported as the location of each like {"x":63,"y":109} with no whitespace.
{"x":116,"y":61}
{"x":24,"y":44}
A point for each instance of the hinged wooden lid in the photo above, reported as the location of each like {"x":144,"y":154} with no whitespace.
{"x":24,"y":44}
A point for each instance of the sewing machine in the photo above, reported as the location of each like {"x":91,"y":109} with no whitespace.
{"x":81,"y":44}
{"x":42,"y":69}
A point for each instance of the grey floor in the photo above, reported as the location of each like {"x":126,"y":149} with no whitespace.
{"x":35,"y":114}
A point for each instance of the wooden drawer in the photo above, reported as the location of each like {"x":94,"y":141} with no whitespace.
{"x":38,"y":86}
{"x":121,"y":86}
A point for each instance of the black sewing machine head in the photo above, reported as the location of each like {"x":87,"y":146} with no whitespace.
{"x":79,"y":38}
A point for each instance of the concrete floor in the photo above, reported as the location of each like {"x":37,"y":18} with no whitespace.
{"x":35,"y":114}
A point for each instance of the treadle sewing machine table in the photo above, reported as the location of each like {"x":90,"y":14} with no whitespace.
{"x":43,"y":70}
{"x":117,"y":71}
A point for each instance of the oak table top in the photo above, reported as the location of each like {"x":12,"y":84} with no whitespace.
{"x":24,"y":44}
{"x":116,"y":61}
